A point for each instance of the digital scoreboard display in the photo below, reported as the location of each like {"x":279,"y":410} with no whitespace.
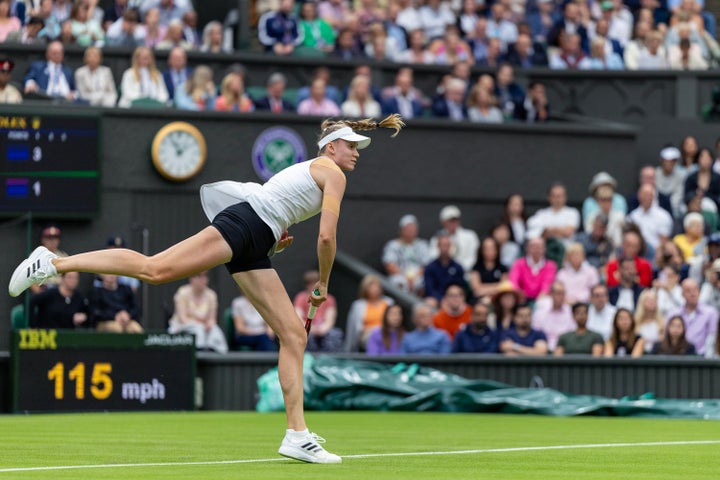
{"x":65,"y":371}
{"x":50,"y":165}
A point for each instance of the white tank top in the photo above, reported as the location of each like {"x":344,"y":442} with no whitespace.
{"x":289,"y":197}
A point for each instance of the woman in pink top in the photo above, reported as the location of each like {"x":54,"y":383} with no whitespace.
{"x":7,"y":23}
{"x":318,"y":104}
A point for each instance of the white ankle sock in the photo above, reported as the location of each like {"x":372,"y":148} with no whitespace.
{"x":296,"y":435}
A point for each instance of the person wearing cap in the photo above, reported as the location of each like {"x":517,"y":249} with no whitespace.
{"x":405,"y":257}
{"x":249,"y":224}
{"x":8,"y":92}
{"x":465,"y":242}
{"x":274,"y":100}
{"x":670,"y":178}
{"x":604,"y":196}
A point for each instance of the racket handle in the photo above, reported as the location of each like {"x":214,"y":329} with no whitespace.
{"x":311,"y":314}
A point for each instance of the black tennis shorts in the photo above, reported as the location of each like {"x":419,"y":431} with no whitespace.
{"x":248,"y":236}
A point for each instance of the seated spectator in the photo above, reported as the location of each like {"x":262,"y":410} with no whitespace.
{"x":611,"y":43}
{"x":655,"y":224}
{"x":8,"y":92}
{"x":624,"y":341}
{"x":616,"y":220}
{"x":591,"y":205}
{"x":533,"y":274}
{"x":570,"y":22}
{"x":597,"y":244}
{"x":689,"y":151}
{"x":627,"y":292}
{"x":669,"y":291}
{"x":51,"y":30}
{"x":686,"y":56}
{"x":174,"y":37}
{"x":632,"y":245}
{"x":191,"y":34}
{"x":28,"y":34}
{"x":424,"y":339}
{"x":360,"y":103}
{"x":701,"y":320}
{"x":673,"y":341}
{"x":599,"y":59}
{"x":577,"y":275}
{"x":670,"y":178}
{"x":653,"y":56}
{"x":114,"y":307}
{"x":468,"y":17}
{"x":114,"y":11}
{"x":435,"y":15}
{"x":553,"y":315}
{"x":50,"y":238}
{"x":557,"y":222}
{"x":403,"y":97}
{"x":249,"y":328}
{"x":154,"y":31}
{"x":61,"y":307}
{"x":702,"y":187}
{"x":500,"y":26}
{"x":522,"y":339}
{"x":317,"y":33}
{"x":476,"y":336}
{"x":581,"y":340}
{"x":177,"y":72}
{"x":379,"y":45}
{"x":488,"y":273}
{"x":481,"y":106}
{"x":450,"y":48}
{"x":127,"y":31}
{"x":142,"y":80}
{"x":232,"y":96}
{"x":535,"y":107}
{"x":86,"y":30}
{"x":95,"y":82}
{"x":510,"y":96}
{"x":318,"y":103}
{"x":525,"y":53}
{"x":450,"y":104}
{"x":274,"y":100}
{"x":692,"y":241}
{"x":8,"y":23}
{"x":170,"y":10}
{"x":334,"y":12}
{"x":649,"y":321}
{"x":464,"y":241}
{"x":324,"y":335}
{"x":515,"y":217}
{"x":348,"y":45}
{"x":196,"y":310}
{"x":331,"y":91}
{"x":509,"y":250}
{"x":542,"y":20}
{"x":417,"y":51}
{"x":710,"y":291}
{"x":212,"y":39}
{"x":648,"y":177}
{"x":503,"y":304}
{"x":441,"y":272}
{"x":117,"y":241}
{"x":51,"y":77}
{"x":570,"y":54}
{"x":387,"y":338}
{"x":365,"y":313}
{"x":454,"y":311}
{"x":601,"y":313}
{"x":405,"y":257}
{"x":198,"y":92}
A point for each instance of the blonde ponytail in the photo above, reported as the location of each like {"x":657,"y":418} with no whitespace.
{"x":393,"y":121}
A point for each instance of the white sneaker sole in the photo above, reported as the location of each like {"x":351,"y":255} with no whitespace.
{"x":300,"y":454}
{"x":19,"y":280}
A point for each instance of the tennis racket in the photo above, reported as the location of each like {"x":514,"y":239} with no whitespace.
{"x":311,"y":314}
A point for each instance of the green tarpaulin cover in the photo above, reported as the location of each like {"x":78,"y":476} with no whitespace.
{"x":341,"y":384}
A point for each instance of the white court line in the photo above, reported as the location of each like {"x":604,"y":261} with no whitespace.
{"x":369,"y":455}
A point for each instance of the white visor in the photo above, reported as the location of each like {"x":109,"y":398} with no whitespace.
{"x":346,"y":133}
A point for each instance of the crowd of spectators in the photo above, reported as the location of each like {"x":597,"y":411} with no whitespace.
{"x":501,"y":35}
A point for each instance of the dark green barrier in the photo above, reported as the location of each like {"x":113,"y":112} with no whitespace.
{"x":341,"y":384}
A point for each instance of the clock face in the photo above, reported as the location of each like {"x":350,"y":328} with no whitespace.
{"x":179,"y":151}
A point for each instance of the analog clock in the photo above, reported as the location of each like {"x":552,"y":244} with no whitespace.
{"x":179,"y":151}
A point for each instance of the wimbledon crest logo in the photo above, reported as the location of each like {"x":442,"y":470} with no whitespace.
{"x":275,"y":149}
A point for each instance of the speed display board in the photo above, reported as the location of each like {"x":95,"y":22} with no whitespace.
{"x":49,"y":165}
{"x":64,"y":370}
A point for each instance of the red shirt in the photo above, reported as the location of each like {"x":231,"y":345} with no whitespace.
{"x":644,"y":270}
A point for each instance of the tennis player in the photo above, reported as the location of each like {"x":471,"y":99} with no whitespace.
{"x":249,"y":224}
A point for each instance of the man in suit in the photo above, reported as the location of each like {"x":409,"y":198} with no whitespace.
{"x":627,"y":292}
{"x":451,"y":103}
{"x":569,"y":23}
{"x":402,"y":98}
{"x":177,"y":72}
{"x":526,"y":54}
{"x":274,"y":100}
{"x":51,"y":77}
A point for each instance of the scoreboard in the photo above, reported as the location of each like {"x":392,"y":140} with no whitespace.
{"x":49,"y":165}
{"x":66,"y":370}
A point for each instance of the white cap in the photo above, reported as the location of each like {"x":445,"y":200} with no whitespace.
{"x":449,"y":212}
{"x":346,"y":133}
{"x":602,"y":178}
{"x":670,"y":153}
{"x":407,"y":220}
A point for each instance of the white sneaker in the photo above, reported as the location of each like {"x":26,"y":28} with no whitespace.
{"x":307,"y":449}
{"x":37,"y":268}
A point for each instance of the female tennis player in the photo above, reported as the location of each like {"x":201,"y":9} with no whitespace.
{"x":249,"y":224}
